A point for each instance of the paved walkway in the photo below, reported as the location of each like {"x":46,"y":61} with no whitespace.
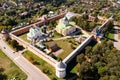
{"x":31,"y":71}
{"x":85,"y":34}
{"x":117,"y":40}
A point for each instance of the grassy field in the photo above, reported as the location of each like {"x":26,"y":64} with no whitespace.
{"x":24,"y":37}
{"x":9,"y":69}
{"x":57,"y":35}
{"x":65,"y":45}
{"x":76,"y":68}
{"x":41,"y":64}
{"x":110,"y":36}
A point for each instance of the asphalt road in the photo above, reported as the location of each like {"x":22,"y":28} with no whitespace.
{"x":31,"y":71}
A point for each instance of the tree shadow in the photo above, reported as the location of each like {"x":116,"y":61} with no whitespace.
{"x":117,"y":25}
{"x":71,"y":76}
{"x":36,"y":63}
{"x":3,"y":77}
{"x":2,"y":70}
{"x":111,"y":39}
{"x":71,"y":64}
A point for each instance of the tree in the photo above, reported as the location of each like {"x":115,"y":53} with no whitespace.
{"x":14,"y":43}
{"x":114,"y":77}
{"x":102,"y":70}
{"x":108,"y":27}
{"x":80,"y":58}
{"x":117,"y":17}
{"x":106,"y":77}
{"x":2,"y":76}
{"x":110,"y":44}
{"x":88,"y":49}
{"x":85,"y":16}
{"x":88,"y":71}
{"x":97,"y":49}
{"x":91,"y":26}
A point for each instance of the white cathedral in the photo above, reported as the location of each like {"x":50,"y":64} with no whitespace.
{"x":34,"y":33}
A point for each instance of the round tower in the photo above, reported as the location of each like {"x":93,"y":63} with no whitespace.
{"x":61,"y":69}
{"x":5,"y":34}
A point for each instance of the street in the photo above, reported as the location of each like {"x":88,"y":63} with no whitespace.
{"x":31,"y":71}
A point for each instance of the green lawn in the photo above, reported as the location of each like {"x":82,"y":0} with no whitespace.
{"x":9,"y":69}
{"x":57,"y":35}
{"x":24,"y":37}
{"x":65,"y":45}
{"x":110,"y":36}
{"x":41,"y":64}
{"x":76,"y":68}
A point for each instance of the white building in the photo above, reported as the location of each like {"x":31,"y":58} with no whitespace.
{"x":61,"y":69}
{"x":5,"y":34}
{"x":34,"y":33}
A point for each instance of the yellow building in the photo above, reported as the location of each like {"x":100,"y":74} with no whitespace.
{"x":65,"y":27}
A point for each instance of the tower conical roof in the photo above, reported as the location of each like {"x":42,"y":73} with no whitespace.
{"x":61,"y":64}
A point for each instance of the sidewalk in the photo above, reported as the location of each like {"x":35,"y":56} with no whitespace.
{"x":117,"y":40}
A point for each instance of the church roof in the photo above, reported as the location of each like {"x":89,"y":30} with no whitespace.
{"x":61,"y":65}
{"x":70,"y":14}
{"x":64,"y":27}
{"x":4,"y":31}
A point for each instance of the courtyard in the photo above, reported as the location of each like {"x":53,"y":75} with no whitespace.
{"x":66,"y":44}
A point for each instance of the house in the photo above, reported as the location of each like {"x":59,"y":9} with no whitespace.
{"x":24,"y":13}
{"x":41,"y":46}
{"x":54,"y":47}
{"x":34,"y":33}
{"x":71,"y":14}
{"x":8,"y":5}
{"x":65,"y":27}
{"x":51,"y":14}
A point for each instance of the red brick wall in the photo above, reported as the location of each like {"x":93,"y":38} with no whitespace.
{"x":26,"y":29}
{"x":36,"y":51}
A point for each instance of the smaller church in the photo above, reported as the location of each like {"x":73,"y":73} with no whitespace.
{"x":65,"y":27}
{"x":34,"y":33}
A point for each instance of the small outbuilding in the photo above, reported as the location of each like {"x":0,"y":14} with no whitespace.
{"x":54,"y":47}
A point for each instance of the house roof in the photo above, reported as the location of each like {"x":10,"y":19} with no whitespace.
{"x":41,"y":46}
{"x":51,"y":12}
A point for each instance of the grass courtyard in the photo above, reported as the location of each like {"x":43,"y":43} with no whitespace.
{"x":41,"y":64}
{"x":68,"y":45}
{"x":24,"y":37}
{"x":9,"y":70}
{"x":110,"y":35}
